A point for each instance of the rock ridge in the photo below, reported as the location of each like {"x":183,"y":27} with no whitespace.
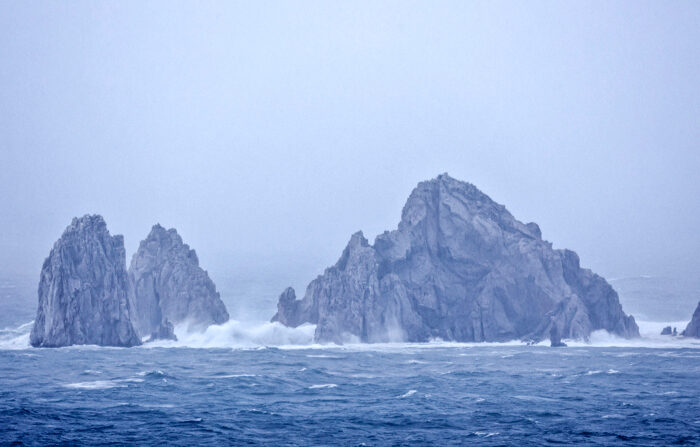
{"x":458,"y":267}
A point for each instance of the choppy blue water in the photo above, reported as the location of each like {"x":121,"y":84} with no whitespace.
{"x":384,"y":395}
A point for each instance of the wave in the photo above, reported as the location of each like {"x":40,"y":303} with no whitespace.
{"x":323,"y":385}
{"x":94,"y":385}
{"x":255,"y":335}
{"x":408,"y":393}
{"x":236,"y":334}
{"x":16,"y":338}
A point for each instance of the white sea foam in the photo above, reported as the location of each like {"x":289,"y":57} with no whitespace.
{"x":94,"y":385}
{"x":323,"y":385}
{"x":251,"y":335}
{"x":236,"y":334}
{"x":407,"y":394}
{"x":16,"y":338}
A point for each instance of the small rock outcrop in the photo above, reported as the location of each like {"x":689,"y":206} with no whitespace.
{"x":667,"y":331}
{"x":83,"y":290}
{"x":166,"y":331}
{"x":459,"y":267}
{"x":166,"y":283}
{"x":693,"y":328}
{"x":555,"y":338}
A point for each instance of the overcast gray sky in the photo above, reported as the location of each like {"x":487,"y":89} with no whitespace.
{"x":268,"y":132}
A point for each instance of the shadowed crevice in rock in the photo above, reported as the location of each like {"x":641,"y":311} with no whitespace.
{"x":459,"y":267}
{"x":83,"y":290}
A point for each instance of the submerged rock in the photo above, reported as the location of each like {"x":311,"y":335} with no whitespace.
{"x":83,"y":290}
{"x":166,"y":283}
{"x":693,"y":328}
{"x":459,"y":267}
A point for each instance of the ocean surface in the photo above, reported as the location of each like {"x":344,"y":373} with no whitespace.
{"x":391,"y":394}
{"x":252,"y":382}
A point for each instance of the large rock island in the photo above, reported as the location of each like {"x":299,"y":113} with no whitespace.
{"x":169,"y":287}
{"x":693,"y":328}
{"x":459,"y":267}
{"x":83,"y":290}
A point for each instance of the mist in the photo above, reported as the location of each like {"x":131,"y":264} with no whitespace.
{"x":268,"y":133}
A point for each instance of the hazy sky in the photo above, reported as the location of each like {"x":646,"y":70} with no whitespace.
{"x":268,"y":132}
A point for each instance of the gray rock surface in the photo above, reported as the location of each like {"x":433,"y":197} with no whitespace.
{"x":555,"y":338}
{"x":165,"y":331}
{"x":166,"y":283}
{"x":667,"y":331}
{"x":693,"y":328}
{"x":459,"y":267}
{"x":83,"y":290}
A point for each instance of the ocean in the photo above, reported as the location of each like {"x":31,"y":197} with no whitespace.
{"x":260,"y":383}
{"x":391,"y":394}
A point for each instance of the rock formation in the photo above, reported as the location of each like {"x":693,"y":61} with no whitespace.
{"x":555,"y":338}
{"x":165,"y":331}
{"x":667,"y":331}
{"x":83,"y":290}
{"x":166,"y":283}
{"x":693,"y":328}
{"x":459,"y":267}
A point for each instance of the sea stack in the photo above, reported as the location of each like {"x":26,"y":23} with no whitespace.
{"x":167,"y":286}
{"x":83,"y":290}
{"x":693,"y":328}
{"x":459,"y":267}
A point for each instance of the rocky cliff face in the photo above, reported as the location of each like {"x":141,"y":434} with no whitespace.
{"x":459,"y":267}
{"x":83,"y":290}
{"x":693,"y":328}
{"x":168,"y":284}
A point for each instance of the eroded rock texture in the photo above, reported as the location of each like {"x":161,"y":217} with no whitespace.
{"x":168,"y":284}
{"x":83,"y":290}
{"x":459,"y":267}
{"x":693,"y":328}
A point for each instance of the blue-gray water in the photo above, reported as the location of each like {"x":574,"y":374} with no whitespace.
{"x":384,"y":395}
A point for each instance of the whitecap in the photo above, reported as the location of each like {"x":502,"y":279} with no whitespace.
{"x":485,"y":434}
{"x":240,"y":335}
{"x":94,"y":385}
{"x":323,"y":385}
{"x":613,"y":416}
{"x":232,"y":376}
{"x":407,"y":394}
